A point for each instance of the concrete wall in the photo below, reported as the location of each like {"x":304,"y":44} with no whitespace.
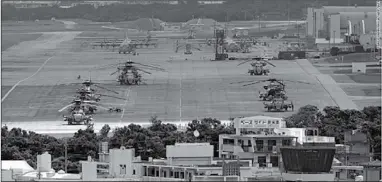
{"x":120,"y":157}
{"x":6,"y":175}
{"x":372,"y":174}
{"x":190,"y":149}
{"x":308,"y":177}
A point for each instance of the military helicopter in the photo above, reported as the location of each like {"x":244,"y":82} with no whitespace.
{"x":278,"y":104}
{"x":275,"y":89}
{"x":88,"y":93}
{"x":90,"y":96}
{"x":78,"y":114}
{"x":129,"y":72}
{"x":87,"y":86}
{"x":258,"y":67}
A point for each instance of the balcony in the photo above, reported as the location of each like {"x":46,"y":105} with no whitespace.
{"x":318,"y":139}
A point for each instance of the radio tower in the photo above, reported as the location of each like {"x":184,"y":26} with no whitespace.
{"x":378,"y":29}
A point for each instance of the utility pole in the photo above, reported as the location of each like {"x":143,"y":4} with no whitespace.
{"x":298,"y":35}
{"x":66,"y":156}
{"x":288,"y":13}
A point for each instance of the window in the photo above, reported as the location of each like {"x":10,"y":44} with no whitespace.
{"x":122,"y":169}
{"x":271,"y":143}
{"x":133,"y":171}
{"x":337,"y":174}
{"x":275,"y":161}
{"x":262,"y":160}
{"x":286,"y":142}
{"x":228,"y":141}
{"x":309,"y":133}
{"x":259,"y":145}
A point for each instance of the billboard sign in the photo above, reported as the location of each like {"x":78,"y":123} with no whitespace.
{"x":259,"y":122}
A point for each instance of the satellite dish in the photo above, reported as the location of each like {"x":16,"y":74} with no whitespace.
{"x":196,"y":133}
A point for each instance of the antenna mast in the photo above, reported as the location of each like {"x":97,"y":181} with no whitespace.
{"x":378,"y":28}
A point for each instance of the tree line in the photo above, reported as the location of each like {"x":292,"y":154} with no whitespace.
{"x":184,"y":11}
{"x":18,"y":144}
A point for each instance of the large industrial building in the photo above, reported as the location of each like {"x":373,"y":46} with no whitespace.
{"x":336,"y":22}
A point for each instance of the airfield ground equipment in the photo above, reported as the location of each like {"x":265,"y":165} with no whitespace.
{"x":278,"y":105}
{"x":188,"y":46}
{"x":128,"y":72}
{"x":258,"y":66}
{"x":220,"y":53}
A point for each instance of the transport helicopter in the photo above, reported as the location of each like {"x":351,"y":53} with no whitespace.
{"x":129,"y":72}
{"x":88,"y":107}
{"x":90,"y":96}
{"x":87,"y":87}
{"x":258,"y":66}
{"x":77,"y":113}
{"x":278,"y":105}
{"x":275,"y":89}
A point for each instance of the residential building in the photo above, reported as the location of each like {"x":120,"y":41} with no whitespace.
{"x":372,"y":171}
{"x":355,"y":150}
{"x":31,"y":4}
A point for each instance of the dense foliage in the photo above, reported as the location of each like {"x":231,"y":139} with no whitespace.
{"x":184,"y":11}
{"x":332,"y":121}
{"x":18,"y":144}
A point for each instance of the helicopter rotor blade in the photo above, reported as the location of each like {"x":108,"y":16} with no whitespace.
{"x":112,"y":96}
{"x":62,"y":109}
{"x":249,"y":84}
{"x":150,"y":66}
{"x":106,"y":89}
{"x":269,"y":63}
{"x":114,"y":72}
{"x":143,"y":71}
{"x":244,"y":62}
{"x":297,"y":81}
{"x":242,"y":82}
{"x":107,"y":66}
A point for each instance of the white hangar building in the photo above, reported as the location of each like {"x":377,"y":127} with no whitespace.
{"x":338,"y":21}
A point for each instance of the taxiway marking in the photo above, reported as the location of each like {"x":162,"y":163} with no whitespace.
{"x":14,"y":86}
{"x":124,"y":105}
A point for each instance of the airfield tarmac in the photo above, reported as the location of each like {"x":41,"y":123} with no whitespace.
{"x":189,"y":89}
{"x":40,"y":77}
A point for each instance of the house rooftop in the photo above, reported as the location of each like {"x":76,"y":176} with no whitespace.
{"x":259,"y":136}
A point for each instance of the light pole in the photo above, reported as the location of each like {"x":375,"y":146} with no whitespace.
{"x":259,"y":17}
{"x":334,"y":37}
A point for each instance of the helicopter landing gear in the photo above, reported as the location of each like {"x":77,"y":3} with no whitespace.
{"x":114,"y":109}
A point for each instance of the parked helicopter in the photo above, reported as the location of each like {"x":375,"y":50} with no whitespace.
{"x":90,"y":96}
{"x":129,"y":72}
{"x":87,"y":87}
{"x":275,"y":89}
{"x":258,"y":66}
{"x":78,"y":114}
{"x":278,"y":104}
{"x":88,"y":107}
